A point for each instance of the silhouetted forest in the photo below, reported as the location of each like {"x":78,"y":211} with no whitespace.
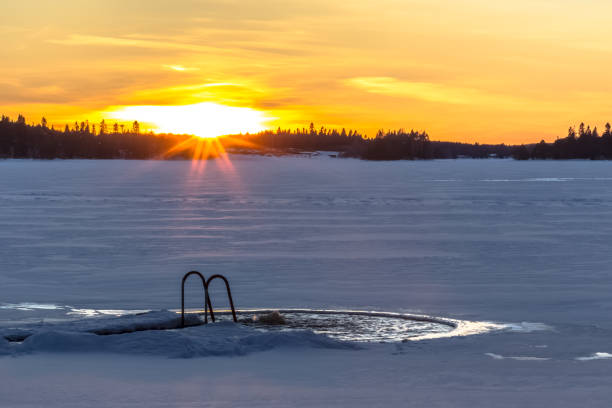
{"x":81,"y":141}
{"x":584,"y":144}
{"x":389,"y":145}
{"x":103,"y":141}
{"x":310,"y":139}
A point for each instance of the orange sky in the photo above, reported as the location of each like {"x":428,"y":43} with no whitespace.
{"x":469,"y":70}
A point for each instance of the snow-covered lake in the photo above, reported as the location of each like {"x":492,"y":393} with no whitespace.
{"x":526,"y":244}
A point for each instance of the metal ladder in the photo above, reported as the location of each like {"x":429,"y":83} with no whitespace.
{"x":207,"y":303}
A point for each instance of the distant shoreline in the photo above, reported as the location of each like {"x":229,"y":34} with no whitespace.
{"x":19,"y":140}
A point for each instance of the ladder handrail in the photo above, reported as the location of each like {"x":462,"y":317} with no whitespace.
{"x":229,"y":295}
{"x":207,"y":302}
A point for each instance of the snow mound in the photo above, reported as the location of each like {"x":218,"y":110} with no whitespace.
{"x":156,"y":333}
{"x":528,"y":327}
{"x":518,"y":358}
{"x":154,"y":320}
{"x":595,"y":356}
{"x":218,"y":339}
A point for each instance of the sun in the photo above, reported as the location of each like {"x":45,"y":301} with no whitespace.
{"x":205,"y":120}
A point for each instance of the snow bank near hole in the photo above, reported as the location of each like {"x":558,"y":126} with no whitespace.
{"x":519,"y":358}
{"x":595,"y":356}
{"x":156,"y":333}
{"x":155,"y":320}
{"x":218,"y":339}
{"x":528,"y":327}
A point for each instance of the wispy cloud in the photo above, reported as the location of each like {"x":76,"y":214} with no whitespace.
{"x":78,"y":39}
{"x":431,"y":92}
{"x":221,"y":47}
{"x":230,"y":93}
{"x":180,"y":68}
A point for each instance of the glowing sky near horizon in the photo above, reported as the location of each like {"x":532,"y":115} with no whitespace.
{"x":206,"y":119}
{"x":470,"y":70}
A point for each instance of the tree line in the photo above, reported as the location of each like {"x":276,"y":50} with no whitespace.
{"x":586,"y":143}
{"x":386,"y":145}
{"x":82,"y":141}
{"x":117,"y":141}
{"x":305,"y":139}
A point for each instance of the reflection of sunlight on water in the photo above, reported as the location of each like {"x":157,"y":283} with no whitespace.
{"x":351,"y":327}
{"x":364,"y":326}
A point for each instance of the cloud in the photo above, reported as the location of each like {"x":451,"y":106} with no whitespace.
{"x":180,"y":68}
{"x":430,"y":92}
{"x":166,"y":44}
{"x":78,"y":39}
{"x":12,"y":93}
{"x":229,"y":93}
